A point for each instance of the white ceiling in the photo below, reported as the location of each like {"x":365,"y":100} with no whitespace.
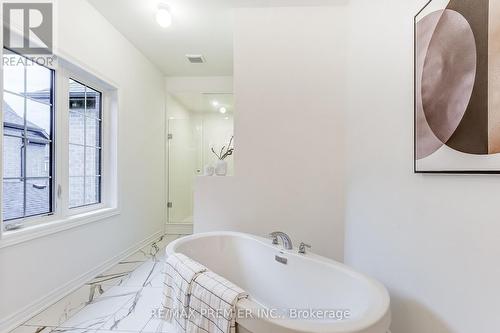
{"x":199,"y":27}
{"x":204,"y":102}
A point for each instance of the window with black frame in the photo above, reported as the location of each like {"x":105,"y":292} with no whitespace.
{"x":85,"y":145}
{"x":28,"y":131}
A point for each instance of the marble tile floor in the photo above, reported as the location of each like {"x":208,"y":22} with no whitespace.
{"x":123,"y":299}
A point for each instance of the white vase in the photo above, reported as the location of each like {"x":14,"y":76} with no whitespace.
{"x":209,"y":170}
{"x":221,"y":168}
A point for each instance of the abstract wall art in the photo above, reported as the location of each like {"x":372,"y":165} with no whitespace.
{"x":457,"y":87}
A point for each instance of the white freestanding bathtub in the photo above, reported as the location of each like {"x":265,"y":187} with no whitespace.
{"x":307,"y":294}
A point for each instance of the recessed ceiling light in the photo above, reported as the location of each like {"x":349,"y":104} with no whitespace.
{"x":215,"y":103}
{"x":222,"y":110}
{"x":163,"y":16}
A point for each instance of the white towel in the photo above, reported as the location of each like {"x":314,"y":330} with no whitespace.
{"x":180,"y":273}
{"x":212,"y":304}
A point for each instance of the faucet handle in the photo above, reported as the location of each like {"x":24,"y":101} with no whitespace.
{"x":303,"y":246}
{"x":274,"y":237}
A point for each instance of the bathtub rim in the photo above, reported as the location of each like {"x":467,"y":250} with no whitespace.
{"x":361,"y":325}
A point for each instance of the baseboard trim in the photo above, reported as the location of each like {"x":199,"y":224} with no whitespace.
{"x":44,"y":302}
{"x":179,"y":228}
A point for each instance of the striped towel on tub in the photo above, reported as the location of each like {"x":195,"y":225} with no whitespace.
{"x":212,"y":304}
{"x":180,"y":274}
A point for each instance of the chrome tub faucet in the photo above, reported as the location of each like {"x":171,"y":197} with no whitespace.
{"x":285,"y":239}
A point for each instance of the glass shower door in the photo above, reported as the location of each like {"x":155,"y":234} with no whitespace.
{"x":182,"y":169}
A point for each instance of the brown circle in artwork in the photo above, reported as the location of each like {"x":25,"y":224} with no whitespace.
{"x":427,"y":143}
{"x":448,"y":74}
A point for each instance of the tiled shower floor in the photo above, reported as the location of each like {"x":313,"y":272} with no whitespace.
{"x":123,"y":299}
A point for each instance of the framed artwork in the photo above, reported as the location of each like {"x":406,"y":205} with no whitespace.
{"x":457,"y":87}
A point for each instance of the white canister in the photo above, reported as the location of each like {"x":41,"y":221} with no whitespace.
{"x":209,"y":170}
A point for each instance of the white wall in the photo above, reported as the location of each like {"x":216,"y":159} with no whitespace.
{"x":433,"y":240}
{"x":176,"y":110}
{"x":34,"y":269}
{"x":289,"y":78}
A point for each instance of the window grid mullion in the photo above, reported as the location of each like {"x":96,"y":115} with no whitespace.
{"x":25,"y":95}
{"x":86,"y":116}
{"x":25,"y":140}
{"x":85,"y":147}
{"x":22,"y":178}
{"x":34,"y":140}
{"x":52,"y":148}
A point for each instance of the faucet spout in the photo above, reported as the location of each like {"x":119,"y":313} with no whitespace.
{"x":285,"y":239}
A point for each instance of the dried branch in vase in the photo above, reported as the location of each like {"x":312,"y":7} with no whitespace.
{"x":225,"y":152}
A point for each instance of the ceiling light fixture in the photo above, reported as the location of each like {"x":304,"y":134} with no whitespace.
{"x":223,"y":110}
{"x":163,"y":15}
{"x":215,"y":103}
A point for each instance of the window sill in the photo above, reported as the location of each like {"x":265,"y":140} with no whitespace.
{"x":11,"y":238}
